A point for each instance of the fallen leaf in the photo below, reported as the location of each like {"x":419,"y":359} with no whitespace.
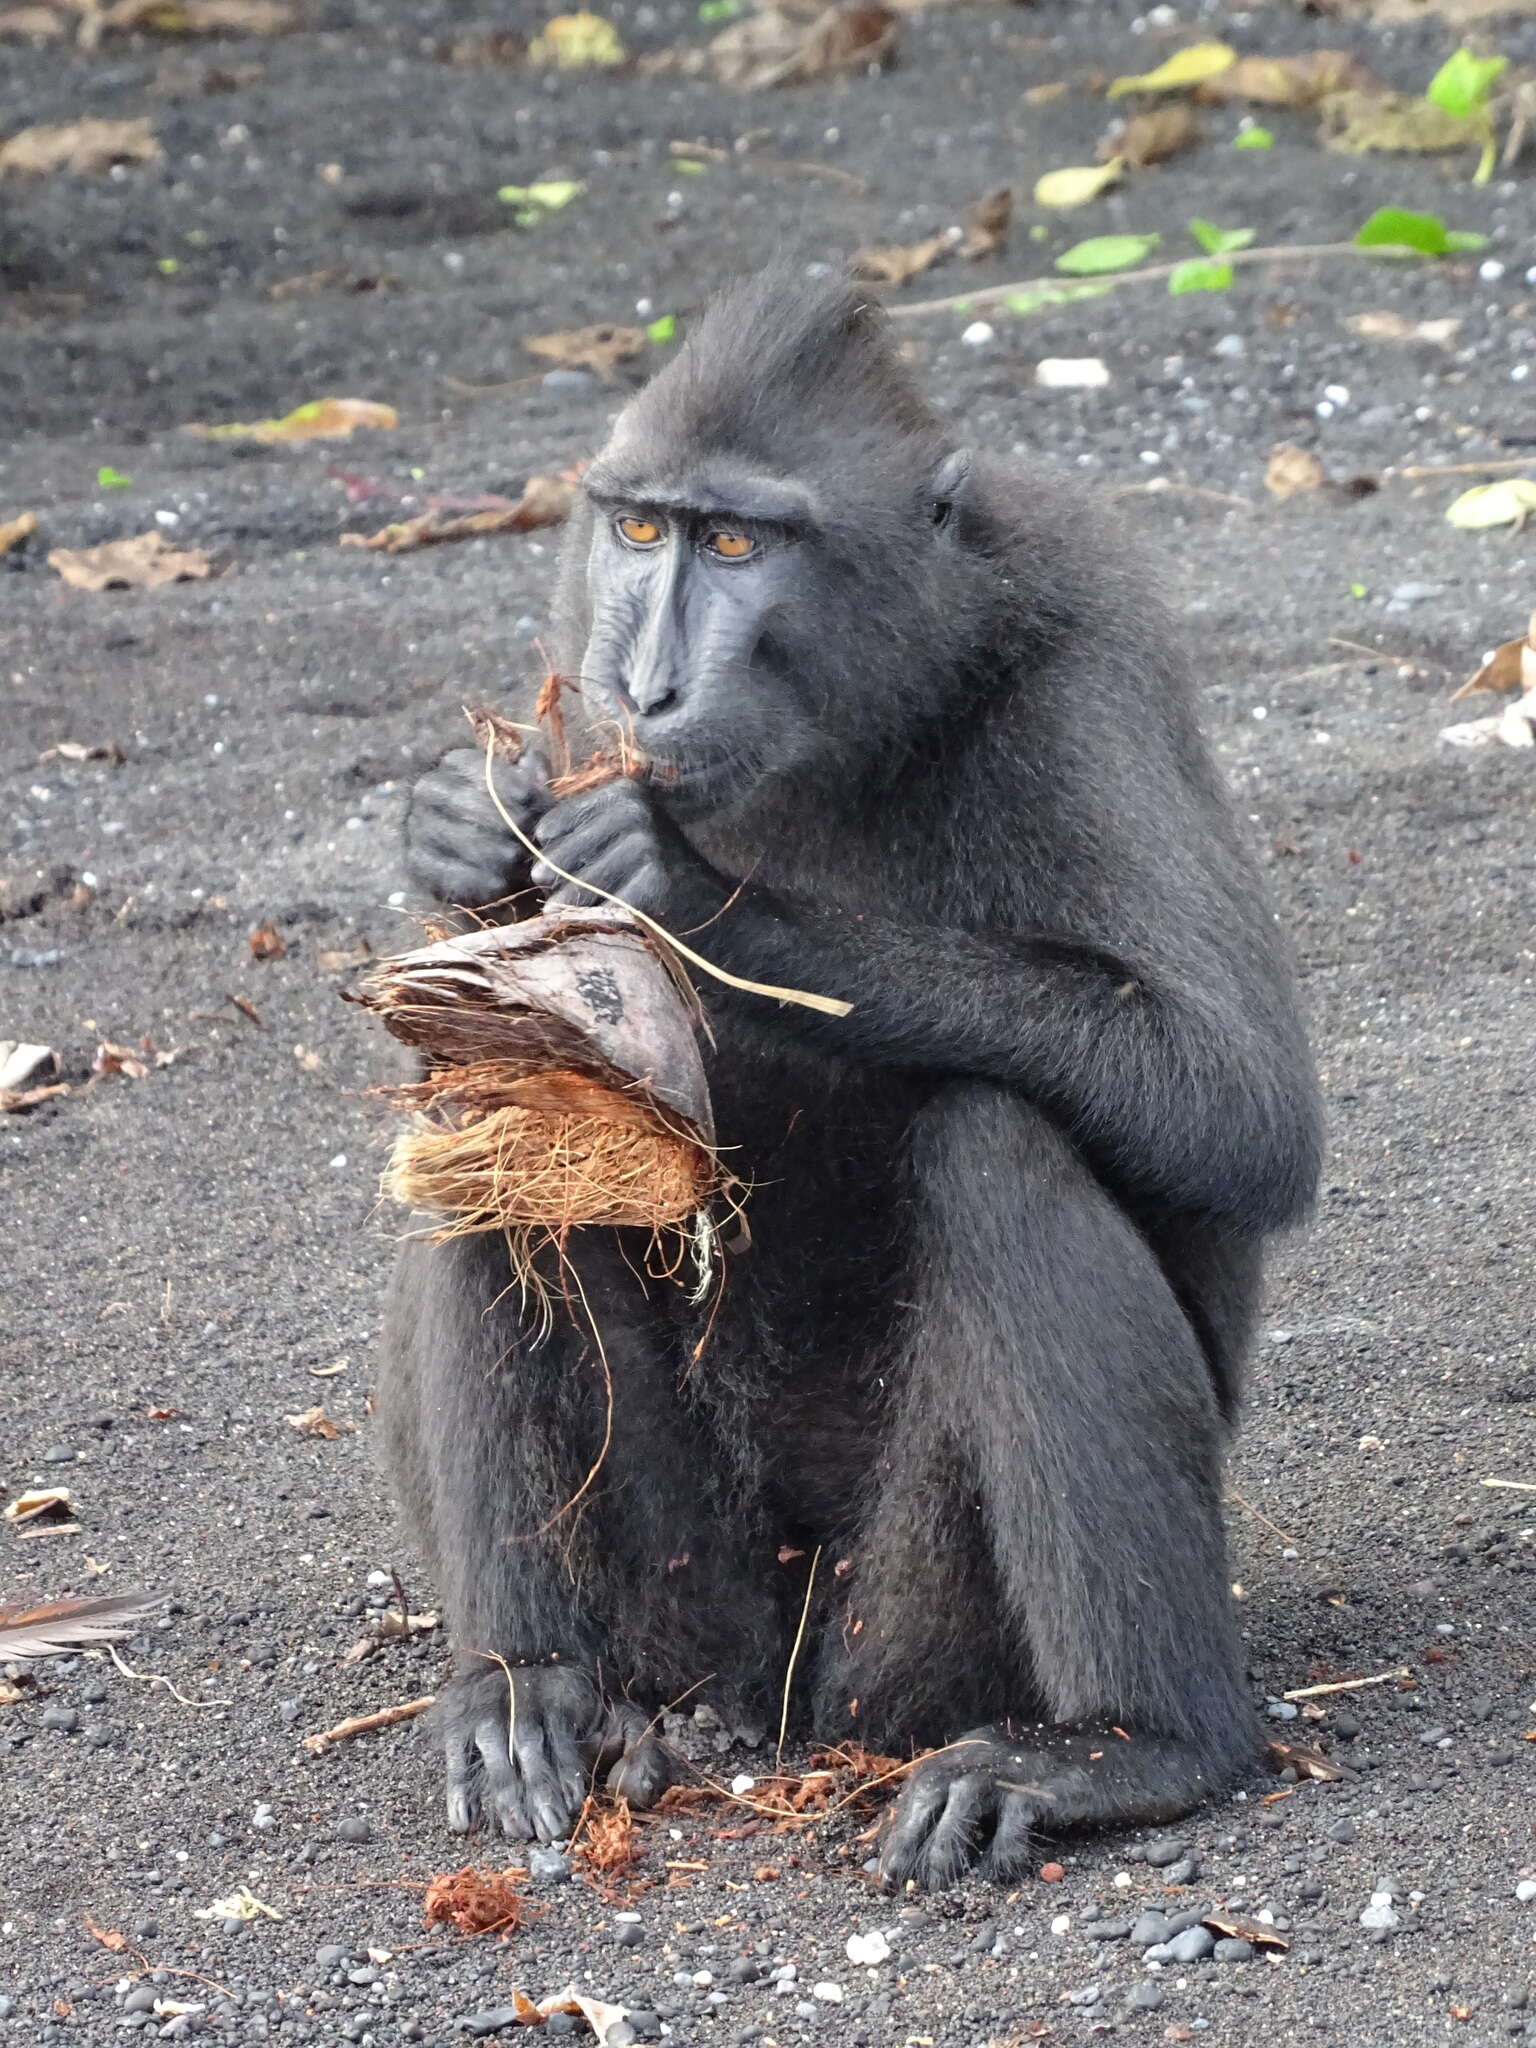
{"x":1390,"y":326}
{"x":1510,"y":667}
{"x":1185,"y":68}
{"x":1152,"y":137}
{"x":14,"y":531}
{"x":77,"y":750}
{"x":322,"y":419}
{"x":577,"y":42}
{"x":774,"y":47}
{"x":546,"y":501}
{"x":899,"y":261}
{"x":52,"y":1628}
{"x":1364,"y":120}
{"x":479,"y":1902}
{"x":81,"y":146}
{"x":143,"y":563}
{"x":110,"y":1937}
{"x":598,"y":2015}
{"x":588,"y":348}
{"x":1292,"y":470}
{"x":1259,"y":1932}
{"x":531,"y":203}
{"x":242,"y":1904}
{"x":1305,"y":1761}
{"x":135,"y":1062}
{"x":1299,"y":81}
{"x":338,"y":960}
{"x":51,"y":1504}
{"x":1078,"y":184}
{"x":1396,"y":228}
{"x":313,"y":1422}
{"x":986,"y":224}
{"x":266,"y":941}
{"x":1509,"y":502}
{"x":1102,"y":253}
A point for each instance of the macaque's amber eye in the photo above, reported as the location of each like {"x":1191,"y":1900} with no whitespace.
{"x":733,"y":546}
{"x":640,"y":533}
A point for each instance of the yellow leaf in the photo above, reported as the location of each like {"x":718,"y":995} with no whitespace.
{"x":577,"y":42}
{"x":1184,"y":68}
{"x":1509,"y":503}
{"x":1078,"y":184}
{"x":323,"y":419}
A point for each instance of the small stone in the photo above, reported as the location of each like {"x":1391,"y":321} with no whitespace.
{"x":567,"y":380}
{"x":141,"y":1999}
{"x":1185,"y":1871}
{"x":491,"y":2021}
{"x":1416,"y":593}
{"x":983,"y":1938}
{"x":1165,"y":1851}
{"x":1061,"y":1923}
{"x":631,"y":1937}
{"x":1231,"y":345}
{"x":747,"y":1970}
{"x":978,"y":334}
{"x":829,"y":1994}
{"x":1145,"y":1997}
{"x":1070,"y":373}
{"x":1051,"y":1873}
{"x":1149,"y":1929}
{"x":1525,"y":1890}
{"x":60,"y":1454}
{"x":331,"y":1956}
{"x":871,"y":1949}
{"x":1192,"y":1946}
{"x":65,"y":1719}
{"x":1282,"y":1710}
{"x":549,"y":1866}
{"x":621,"y":2034}
{"x":355,"y":1828}
{"x":1233,"y":1950}
{"x":1379,"y":1914}
{"x":1343,"y":1831}
{"x":1107,"y":1930}
{"x":1089,"y":1994}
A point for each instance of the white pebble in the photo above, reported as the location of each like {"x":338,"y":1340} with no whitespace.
{"x":1061,"y":1923}
{"x":1336,"y":394}
{"x":1072,"y":373}
{"x":829,"y":1994}
{"x":1122,"y":1880}
{"x":396,"y":899}
{"x":1231,"y":345}
{"x":1491,"y":270}
{"x":978,"y":334}
{"x":167,"y":519}
{"x":742,"y":1783}
{"x":868,"y":1948}
{"x":1379,"y":1912}
{"x":337,"y":1161}
{"x":1259,"y":711}
{"x":703,"y":1978}
{"x":1525,"y":1890}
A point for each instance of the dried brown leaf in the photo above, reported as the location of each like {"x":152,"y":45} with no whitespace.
{"x":320,"y":419}
{"x":1390,"y":326}
{"x":82,"y":146}
{"x":599,"y":348}
{"x":266,"y":942}
{"x":987,"y":221}
{"x":1510,"y":667}
{"x":1152,"y":137}
{"x":314,"y":1422}
{"x":133,"y":1061}
{"x":42,"y":1503}
{"x":546,"y":501}
{"x":1299,"y":81}
{"x":773,"y":47}
{"x":14,"y":531}
{"x":899,"y":261}
{"x":110,"y":1937}
{"x":1306,"y":1761}
{"x":144,"y":563}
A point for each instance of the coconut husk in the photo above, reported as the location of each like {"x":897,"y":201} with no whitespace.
{"x":563,"y":1085}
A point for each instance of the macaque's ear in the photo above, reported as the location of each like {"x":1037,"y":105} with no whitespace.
{"x":948,"y":485}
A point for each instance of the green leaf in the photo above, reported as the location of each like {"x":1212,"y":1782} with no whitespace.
{"x":1041,"y":297}
{"x":1462,"y":84}
{"x":1253,"y":138}
{"x":1217,"y":241}
{"x":663,"y":329}
{"x":1509,"y":502}
{"x":1359,"y":590}
{"x":1079,"y":183}
{"x":167,"y":265}
{"x":530,"y":203}
{"x":719,"y":10}
{"x":1106,"y":252}
{"x":1185,"y":67}
{"x":689,"y":166}
{"x":1199,"y":274}
{"x":111,"y":479}
{"x":1423,"y":234}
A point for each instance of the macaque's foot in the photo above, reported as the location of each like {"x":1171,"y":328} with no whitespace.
{"x":524,"y":1756}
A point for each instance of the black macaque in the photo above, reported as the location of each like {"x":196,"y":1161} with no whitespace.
{"x":921,"y":738}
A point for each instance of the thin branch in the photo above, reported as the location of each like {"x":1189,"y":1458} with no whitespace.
{"x":366,"y":1724}
{"x":1465,"y":468}
{"x":1312,"y":1692}
{"x":1512,"y":1485}
{"x":991,"y":294}
{"x":794,"y":1656}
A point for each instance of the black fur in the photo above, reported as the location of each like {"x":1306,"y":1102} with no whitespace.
{"x":1007,"y":1217}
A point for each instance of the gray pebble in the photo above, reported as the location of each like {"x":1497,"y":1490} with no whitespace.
{"x":7,"y":2007}
{"x":141,"y":1999}
{"x":491,"y":2021}
{"x":1343,"y":1831}
{"x":1150,"y":1928}
{"x":1234,"y":1950}
{"x":1145,"y":1997}
{"x":1282,"y":1710}
{"x":36,"y":956}
{"x":745,"y":1970}
{"x":567,"y":380}
{"x":631,"y":1937}
{"x":354,"y":1829}
{"x":65,"y":1719}
{"x":1192,"y":1945}
{"x":1415,"y":593}
{"x":1161,"y":1853}
{"x":332,"y":1956}
{"x":1110,"y":1930}
{"x":549,"y":1866}
{"x":620,"y":2035}
{"x":1185,"y":1871}
{"x":60,"y":1454}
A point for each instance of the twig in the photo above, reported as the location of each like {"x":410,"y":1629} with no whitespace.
{"x":794,"y":1655}
{"x":1464,"y":468}
{"x":155,"y":1678}
{"x":990,"y":294}
{"x":366,"y":1724}
{"x":830,"y":1006}
{"x":1312,"y":1692}
{"x":1512,"y":1485}
{"x":1252,"y":1510}
{"x":1375,"y":653}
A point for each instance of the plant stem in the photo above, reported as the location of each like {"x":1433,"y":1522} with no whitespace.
{"x":990,"y":294}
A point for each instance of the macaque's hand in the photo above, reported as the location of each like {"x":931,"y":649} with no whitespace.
{"x":615,"y":838}
{"x":457,"y":846}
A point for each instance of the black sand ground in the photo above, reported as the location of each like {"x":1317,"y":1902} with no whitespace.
{"x":202,"y":1244}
